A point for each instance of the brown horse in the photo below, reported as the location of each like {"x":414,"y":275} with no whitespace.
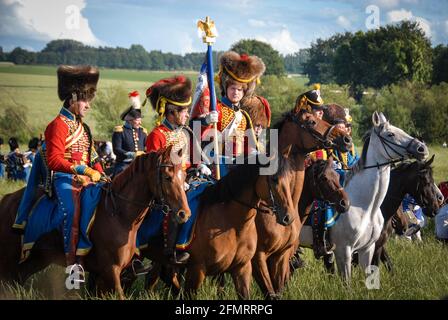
{"x":277,"y":244}
{"x":304,"y":132}
{"x":152,"y":179}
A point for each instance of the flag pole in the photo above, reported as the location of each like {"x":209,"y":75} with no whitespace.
{"x":209,"y":30}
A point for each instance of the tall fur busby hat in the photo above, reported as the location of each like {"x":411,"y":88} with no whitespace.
{"x":134,"y":110}
{"x":311,"y":100}
{"x":170,"y":94}
{"x":77,"y":81}
{"x":259,"y":110}
{"x":241,"y":69}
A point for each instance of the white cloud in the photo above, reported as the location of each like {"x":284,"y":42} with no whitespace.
{"x":343,"y":22}
{"x":399,"y":15}
{"x":257,"y":23}
{"x":186,"y":43}
{"x":281,"y":41}
{"x":446,"y":26}
{"x":35,"y":20}
{"x":425,"y":25}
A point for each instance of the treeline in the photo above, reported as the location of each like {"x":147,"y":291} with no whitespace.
{"x":136,"y":57}
{"x":377,"y":58}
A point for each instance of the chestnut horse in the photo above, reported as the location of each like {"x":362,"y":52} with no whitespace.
{"x":278,"y":243}
{"x":303,"y":132}
{"x":151,"y":179}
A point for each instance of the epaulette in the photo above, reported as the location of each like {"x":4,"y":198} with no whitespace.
{"x":145,"y":131}
{"x":118,"y":128}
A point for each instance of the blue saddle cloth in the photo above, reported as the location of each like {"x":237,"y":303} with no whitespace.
{"x":151,"y":227}
{"x":46,"y":216}
{"x":331,"y":216}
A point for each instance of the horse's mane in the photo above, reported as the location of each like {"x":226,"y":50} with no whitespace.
{"x":237,"y":180}
{"x":421,"y":167}
{"x":359,"y":165}
{"x":136,"y":167}
{"x":286,"y":116}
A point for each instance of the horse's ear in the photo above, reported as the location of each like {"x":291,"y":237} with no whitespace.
{"x":330,"y":160}
{"x":383,"y":118}
{"x":287,"y":151}
{"x":430,"y":161}
{"x":376,"y":119}
{"x":180,"y":152}
{"x":167,"y":153}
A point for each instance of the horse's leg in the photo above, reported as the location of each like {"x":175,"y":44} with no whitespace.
{"x":385,"y":258}
{"x":109,"y":280}
{"x":280,"y":271}
{"x":344,"y":262}
{"x":365,"y":256}
{"x":241,"y":278}
{"x":261,"y":274}
{"x":329,"y":263}
{"x":152,"y":277}
{"x":193,"y":279}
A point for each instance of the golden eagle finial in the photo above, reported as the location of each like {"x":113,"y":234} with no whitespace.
{"x":208,"y":29}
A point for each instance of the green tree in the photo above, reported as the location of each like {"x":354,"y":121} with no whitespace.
{"x":294,"y":62}
{"x":271,"y":58}
{"x":440,"y":64}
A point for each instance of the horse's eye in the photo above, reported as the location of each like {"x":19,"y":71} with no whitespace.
{"x":390,"y":134}
{"x":168,"y":178}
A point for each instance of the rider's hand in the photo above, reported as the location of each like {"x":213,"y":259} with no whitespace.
{"x":212,"y":117}
{"x":186,"y":186}
{"x":202,"y":169}
{"x":130,"y":155}
{"x":93,"y":174}
{"x":139,"y":153}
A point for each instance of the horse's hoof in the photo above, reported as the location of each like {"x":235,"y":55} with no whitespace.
{"x":273,"y":296}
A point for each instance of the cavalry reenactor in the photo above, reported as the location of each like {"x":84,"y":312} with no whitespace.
{"x":171,"y":99}
{"x":237,"y":77}
{"x":129,"y":139}
{"x":72,"y":164}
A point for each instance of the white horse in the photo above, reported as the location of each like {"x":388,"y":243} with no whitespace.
{"x":367,"y":183}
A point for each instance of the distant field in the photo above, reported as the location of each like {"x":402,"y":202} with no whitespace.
{"x":36,"y":88}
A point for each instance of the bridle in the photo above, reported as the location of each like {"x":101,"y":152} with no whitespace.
{"x":156,"y":202}
{"x":390,"y":145}
{"x":324,"y":140}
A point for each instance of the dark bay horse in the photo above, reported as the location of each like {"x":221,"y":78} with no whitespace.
{"x":416,"y":179}
{"x":151,"y":179}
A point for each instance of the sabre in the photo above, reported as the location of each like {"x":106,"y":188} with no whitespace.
{"x":209,"y":32}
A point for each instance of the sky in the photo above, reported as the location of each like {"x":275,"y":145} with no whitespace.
{"x":170,"y":25}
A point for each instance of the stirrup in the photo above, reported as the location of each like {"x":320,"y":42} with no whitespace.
{"x":138,"y":268}
{"x":179,"y":257}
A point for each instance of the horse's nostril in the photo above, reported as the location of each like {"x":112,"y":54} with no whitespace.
{"x":347,"y":140}
{"x":182,"y":215}
{"x":286,"y":219}
{"x":421,"y":149}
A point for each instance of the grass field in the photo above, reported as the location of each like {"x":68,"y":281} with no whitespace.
{"x":421,"y":269}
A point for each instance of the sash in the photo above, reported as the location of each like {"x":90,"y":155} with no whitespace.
{"x":73,"y":138}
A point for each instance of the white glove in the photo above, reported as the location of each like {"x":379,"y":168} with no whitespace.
{"x":186,"y":186}
{"x":337,"y":165}
{"x":202,"y":169}
{"x":212,"y":117}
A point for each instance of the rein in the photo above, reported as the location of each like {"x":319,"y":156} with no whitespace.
{"x":152,"y":204}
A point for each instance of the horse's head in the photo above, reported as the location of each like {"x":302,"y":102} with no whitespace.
{"x":399,"y":222}
{"x":311,"y":133}
{"x":422,"y":187}
{"x":324,"y":184}
{"x":275,"y":190}
{"x":170,"y":178}
{"x":394,"y":143}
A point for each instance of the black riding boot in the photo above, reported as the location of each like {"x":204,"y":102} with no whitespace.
{"x":321,"y":237}
{"x":170,"y":232}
